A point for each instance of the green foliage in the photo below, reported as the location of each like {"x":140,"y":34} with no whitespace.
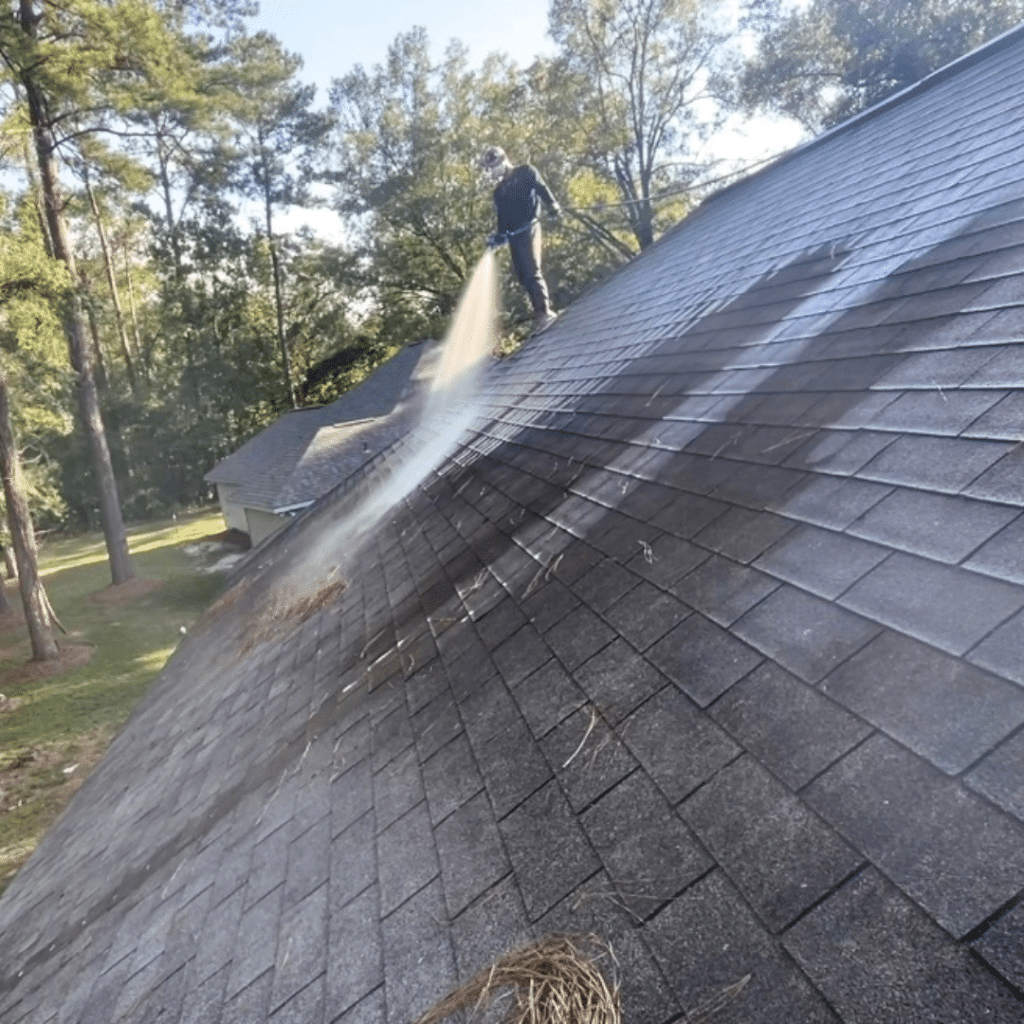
{"x":827,"y":61}
{"x":33,"y":289}
{"x":407,"y":134}
{"x":639,"y":74}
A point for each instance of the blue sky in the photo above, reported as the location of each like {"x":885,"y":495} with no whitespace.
{"x":331,"y":37}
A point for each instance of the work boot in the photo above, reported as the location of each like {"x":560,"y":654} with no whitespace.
{"x":542,"y":321}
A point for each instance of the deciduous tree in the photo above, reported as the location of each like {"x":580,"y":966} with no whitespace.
{"x":830,"y":59}
{"x":644,"y":71}
{"x":31,"y":286}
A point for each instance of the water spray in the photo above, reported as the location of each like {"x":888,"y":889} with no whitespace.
{"x":450,"y":404}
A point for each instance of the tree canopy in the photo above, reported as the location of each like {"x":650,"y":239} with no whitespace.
{"x":831,"y":59}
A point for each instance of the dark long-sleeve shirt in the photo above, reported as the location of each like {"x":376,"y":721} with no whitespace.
{"x":518,"y":196}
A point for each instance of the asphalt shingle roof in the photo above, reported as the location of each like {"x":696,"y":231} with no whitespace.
{"x":708,"y":636}
{"x":306,"y":452}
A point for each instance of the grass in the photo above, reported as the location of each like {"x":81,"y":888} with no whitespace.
{"x":55,"y":728}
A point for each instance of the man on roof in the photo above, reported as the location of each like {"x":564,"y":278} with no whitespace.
{"x":518,"y":193}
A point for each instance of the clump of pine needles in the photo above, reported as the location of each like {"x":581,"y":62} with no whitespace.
{"x":553,"y":981}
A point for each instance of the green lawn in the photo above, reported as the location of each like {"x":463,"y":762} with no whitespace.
{"x":53,"y":730}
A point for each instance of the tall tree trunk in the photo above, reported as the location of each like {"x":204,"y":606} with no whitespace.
{"x":115,"y":297}
{"x":121,"y":569}
{"x":33,"y":597}
{"x":139,"y":347}
{"x":96,"y":351}
{"x":275,"y":264}
{"x":8,"y":558}
{"x":183,"y":294}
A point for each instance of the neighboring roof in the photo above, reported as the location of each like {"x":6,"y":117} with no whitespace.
{"x":302,"y":455}
{"x":707,"y":636}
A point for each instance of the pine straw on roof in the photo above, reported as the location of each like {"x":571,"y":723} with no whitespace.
{"x":553,"y":981}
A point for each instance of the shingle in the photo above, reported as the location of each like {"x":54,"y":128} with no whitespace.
{"x":547,"y":601}
{"x":500,"y":623}
{"x":998,"y":775}
{"x":406,"y":858}
{"x":419,"y":966}
{"x":688,"y":514}
{"x":524,"y":652}
{"x":703,"y":659}
{"x":787,"y":725}
{"x":353,"y":862}
{"x":946,"y":368}
{"x":513,"y":767}
{"x":486,"y":710}
{"x":803,"y":633}
{"x":948,"y":607}
{"x":742,"y":534}
{"x":471,"y":853}
{"x":821,"y":561}
{"x":644,"y":846}
{"x":832,"y":502}
{"x":1003,"y":422}
{"x":546,"y":697}
{"x":945,"y":464}
{"x":617,"y":680}
{"x":848,"y":410}
{"x":839,"y":452}
{"x":301,"y":947}
{"x":587,"y":755}
{"x":251,"y":1003}
{"x":1004,"y":481}
{"x":1001,"y":651}
{"x":945,"y":413}
{"x":1004,"y":369}
{"x":666,"y":559}
{"x":781,"y":856}
{"x":548,"y":849}
{"x":603,"y":585}
{"x":352,"y":795}
{"x":392,"y":736}
{"x":495,"y":924}
{"x":723,"y":590}
{"x":708,"y":942}
{"x":578,"y":637}
{"x":308,"y":858}
{"x":1002,"y":947}
{"x":943,"y":709}
{"x":952,"y":853}
{"x":436,"y":724}
{"x":934,"y":525}
{"x":451,"y":777}
{"x":678,"y":746}
{"x":906,"y":967}
{"x":255,"y":945}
